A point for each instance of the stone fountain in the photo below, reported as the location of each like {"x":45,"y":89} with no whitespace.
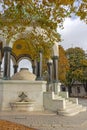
{"x":22,"y":92}
{"x":23,"y":103}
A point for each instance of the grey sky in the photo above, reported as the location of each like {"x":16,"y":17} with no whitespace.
{"x":74,"y":34}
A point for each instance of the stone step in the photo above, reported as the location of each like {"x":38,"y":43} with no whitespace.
{"x":71,"y":105}
{"x":58,"y":97}
{"x":72,"y":110}
{"x":68,"y":102}
{"x":65,"y":113}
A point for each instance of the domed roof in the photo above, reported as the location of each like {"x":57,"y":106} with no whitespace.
{"x":24,"y":74}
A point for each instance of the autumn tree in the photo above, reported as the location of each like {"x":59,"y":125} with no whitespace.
{"x":47,"y":15}
{"x":16,"y":15}
{"x":63,"y":65}
{"x":77,"y":64}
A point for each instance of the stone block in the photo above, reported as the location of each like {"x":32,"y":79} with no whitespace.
{"x":10,"y":89}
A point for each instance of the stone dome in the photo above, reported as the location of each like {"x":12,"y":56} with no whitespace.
{"x":24,"y":74}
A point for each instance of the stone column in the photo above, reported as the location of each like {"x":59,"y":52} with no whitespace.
{"x":56,"y":85}
{"x":15,"y":68}
{"x":7,"y":52}
{"x":50,"y":70}
{"x":0,"y":65}
{"x":0,"y":70}
{"x":39,"y":67}
{"x":55,"y":69}
{"x":50,"y":76}
{"x":34,"y":66}
{"x":0,"y":58}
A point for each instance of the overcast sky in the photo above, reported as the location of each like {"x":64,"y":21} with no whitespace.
{"x":74,"y":34}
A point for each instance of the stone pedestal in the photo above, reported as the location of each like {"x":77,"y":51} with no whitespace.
{"x":22,"y":106}
{"x":56,"y":87}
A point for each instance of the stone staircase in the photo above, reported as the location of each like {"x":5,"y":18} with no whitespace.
{"x":71,"y":108}
{"x":63,"y":105}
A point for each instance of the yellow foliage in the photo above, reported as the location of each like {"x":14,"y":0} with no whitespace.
{"x":63,"y":65}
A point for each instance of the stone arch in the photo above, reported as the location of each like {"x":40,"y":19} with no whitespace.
{"x":14,"y":39}
{"x":23,"y":57}
{"x":19,"y":36}
{"x":20,"y":49}
{"x":25,"y":62}
{"x":39,"y":30}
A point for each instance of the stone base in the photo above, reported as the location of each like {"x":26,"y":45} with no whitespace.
{"x":22,"y":106}
{"x":54,"y":87}
{"x":10,"y":89}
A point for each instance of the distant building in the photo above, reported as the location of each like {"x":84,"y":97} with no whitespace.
{"x":78,"y":89}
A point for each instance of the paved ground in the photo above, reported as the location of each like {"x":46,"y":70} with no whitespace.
{"x":49,"y":121}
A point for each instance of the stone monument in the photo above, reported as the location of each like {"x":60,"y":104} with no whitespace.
{"x":26,"y":91}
